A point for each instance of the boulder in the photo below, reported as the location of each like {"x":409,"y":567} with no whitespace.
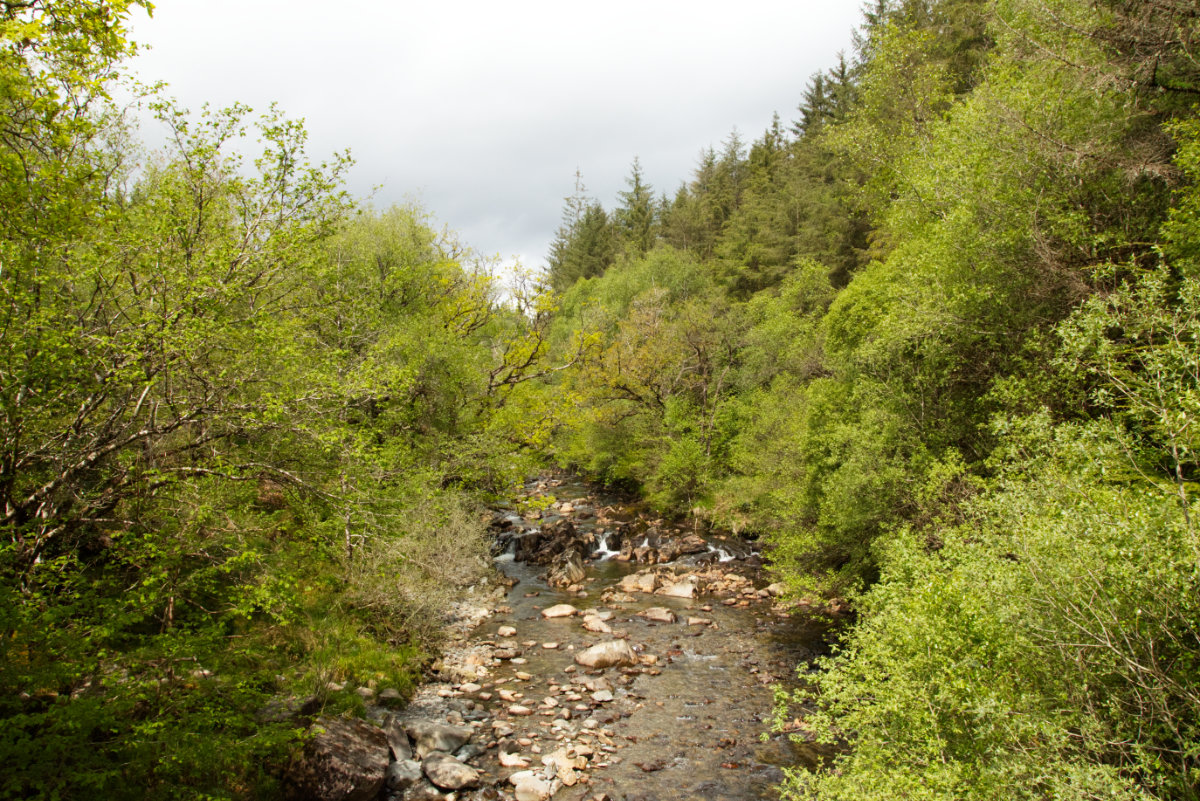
{"x":559,"y":610}
{"x":657,"y":614}
{"x":688,"y":544}
{"x":346,"y":760}
{"x":403,"y":773}
{"x":540,"y":547}
{"x":612,"y":653}
{"x":397,"y":738}
{"x":448,"y":773}
{"x":679,"y":589}
{"x":566,"y":569}
{"x":430,"y":736}
{"x":639,"y":582}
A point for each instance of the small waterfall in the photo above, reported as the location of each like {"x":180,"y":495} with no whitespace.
{"x":722,"y":554}
{"x":602,"y":551}
{"x":510,"y":552}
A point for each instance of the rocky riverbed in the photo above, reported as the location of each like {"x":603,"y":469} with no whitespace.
{"x":629,"y":659}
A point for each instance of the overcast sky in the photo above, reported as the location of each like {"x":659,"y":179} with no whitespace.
{"x":482,"y":111}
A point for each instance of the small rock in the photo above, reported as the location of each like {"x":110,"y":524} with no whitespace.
{"x":506,"y":631}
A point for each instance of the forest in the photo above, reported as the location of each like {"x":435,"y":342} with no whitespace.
{"x":936,"y":341}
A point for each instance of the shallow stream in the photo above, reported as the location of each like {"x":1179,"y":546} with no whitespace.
{"x":690,"y":721}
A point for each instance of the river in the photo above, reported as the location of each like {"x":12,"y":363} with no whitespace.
{"x":689,"y":720}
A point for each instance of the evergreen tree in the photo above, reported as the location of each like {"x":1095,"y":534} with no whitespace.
{"x":636,"y":217}
{"x":584,"y":245}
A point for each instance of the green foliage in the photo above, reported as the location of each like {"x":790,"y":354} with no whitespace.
{"x":940,"y":349}
{"x":244,"y":431}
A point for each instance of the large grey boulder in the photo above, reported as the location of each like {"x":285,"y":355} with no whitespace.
{"x":346,"y":760}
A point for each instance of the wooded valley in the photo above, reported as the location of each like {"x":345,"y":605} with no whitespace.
{"x":935,"y":341}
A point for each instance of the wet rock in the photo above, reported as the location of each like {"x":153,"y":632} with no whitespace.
{"x":596,"y":625}
{"x":639,"y":582}
{"x":448,"y":773}
{"x":510,"y":756}
{"x":540,"y":547}
{"x":565,"y":764}
{"x":559,"y":610}
{"x":430,"y":736}
{"x":346,"y":760}
{"x":657,"y":614}
{"x":613,"y":653}
{"x":679,"y":589}
{"x":566,"y":570}
{"x":506,"y":631}
{"x":690,"y":544}
{"x":530,"y":787}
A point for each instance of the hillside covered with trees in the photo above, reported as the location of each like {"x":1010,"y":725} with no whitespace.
{"x":246,"y":426}
{"x":935,"y":340}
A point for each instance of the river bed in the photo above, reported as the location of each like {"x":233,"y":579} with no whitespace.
{"x":689,"y":720}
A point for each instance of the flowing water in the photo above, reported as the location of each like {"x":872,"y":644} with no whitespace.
{"x":692,"y":721}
